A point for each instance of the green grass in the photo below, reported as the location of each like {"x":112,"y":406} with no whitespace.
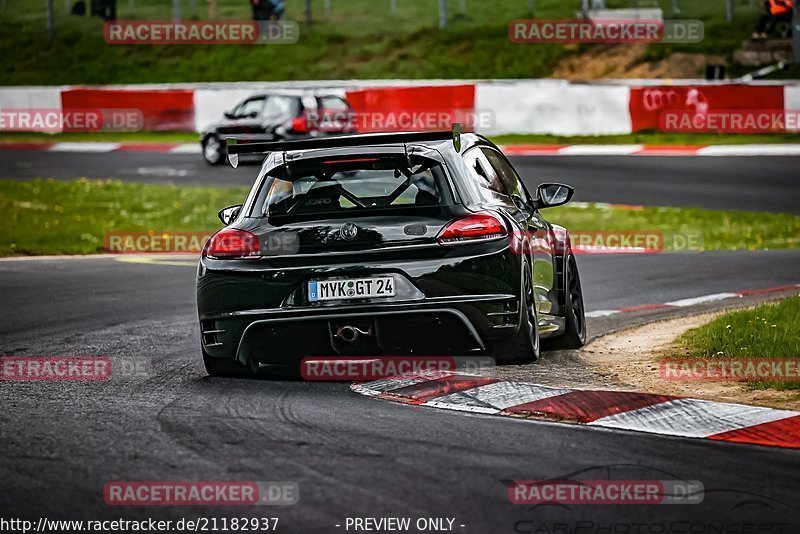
{"x":644,"y":138}
{"x":359,"y":40}
{"x":768,"y":331}
{"x":43,"y":217}
{"x":50,"y":217}
{"x":719,"y":230}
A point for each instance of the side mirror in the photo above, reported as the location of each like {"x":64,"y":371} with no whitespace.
{"x":229,"y":115}
{"x":229,"y":214}
{"x":551,"y":195}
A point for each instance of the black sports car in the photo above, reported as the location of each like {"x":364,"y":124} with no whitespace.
{"x":278,"y":116}
{"x":386,"y":244}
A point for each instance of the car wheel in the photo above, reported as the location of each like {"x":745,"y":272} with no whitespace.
{"x":574,"y":336}
{"x":213,"y":151}
{"x":524,"y":346}
{"x":224,"y":367}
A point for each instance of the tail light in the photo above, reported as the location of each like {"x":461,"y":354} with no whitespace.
{"x":300,"y":125}
{"x":477,"y":227}
{"x":230,"y":243}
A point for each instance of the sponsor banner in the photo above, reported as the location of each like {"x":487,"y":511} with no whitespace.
{"x":731,"y":121}
{"x":57,"y":368}
{"x":149,"y":32}
{"x":359,"y":368}
{"x":616,"y":492}
{"x":606,"y":31}
{"x":649,"y":104}
{"x":730,"y":369}
{"x":160,"y":109}
{"x":54,"y":120}
{"x":389,"y":109}
{"x":195,"y":493}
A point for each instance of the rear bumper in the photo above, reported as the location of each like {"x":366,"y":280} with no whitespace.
{"x":448,"y":302}
{"x":432,"y":327}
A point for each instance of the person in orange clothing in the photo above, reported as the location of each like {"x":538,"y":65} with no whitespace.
{"x":776,"y":11}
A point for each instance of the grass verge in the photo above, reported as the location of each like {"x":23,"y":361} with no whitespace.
{"x":43,"y":217}
{"x":51,"y":217}
{"x":355,"y":39}
{"x":768,"y":331}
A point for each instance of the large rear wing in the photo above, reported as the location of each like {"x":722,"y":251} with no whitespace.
{"x":235,"y":148}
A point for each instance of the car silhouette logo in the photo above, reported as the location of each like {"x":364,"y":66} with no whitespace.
{"x":348,"y":231}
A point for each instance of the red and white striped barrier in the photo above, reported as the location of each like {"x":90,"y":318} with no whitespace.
{"x":621,"y":410}
{"x":554,"y":107}
{"x":511,"y":150}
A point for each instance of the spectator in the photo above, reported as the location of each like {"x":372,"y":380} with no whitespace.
{"x":267,"y":9}
{"x":105,"y":9}
{"x":776,"y":11}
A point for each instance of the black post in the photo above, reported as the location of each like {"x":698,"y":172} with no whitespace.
{"x":50,"y":22}
{"x":796,"y":33}
{"x":308,"y":12}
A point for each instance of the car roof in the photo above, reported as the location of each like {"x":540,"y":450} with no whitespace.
{"x":292,"y":92}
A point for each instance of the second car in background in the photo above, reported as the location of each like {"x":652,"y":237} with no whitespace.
{"x":278,"y":116}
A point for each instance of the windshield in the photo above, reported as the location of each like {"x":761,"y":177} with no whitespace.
{"x":352,"y":186}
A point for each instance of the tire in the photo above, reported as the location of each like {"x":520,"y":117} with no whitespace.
{"x":574,"y":336}
{"x":524,"y":346}
{"x":224,"y":368}
{"x":213,"y":150}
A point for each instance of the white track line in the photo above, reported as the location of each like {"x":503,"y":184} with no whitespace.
{"x":84,"y":147}
{"x":600,"y":150}
{"x":750,"y":150}
{"x":189,"y":148}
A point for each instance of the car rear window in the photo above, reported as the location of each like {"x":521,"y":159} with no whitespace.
{"x":352,"y":186}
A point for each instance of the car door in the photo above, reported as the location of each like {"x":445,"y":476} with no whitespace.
{"x":537,"y":230}
{"x":245,"y":118}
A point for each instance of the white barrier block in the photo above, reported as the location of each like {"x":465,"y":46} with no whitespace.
{"x":555,"y":108}
{"x":791,"y":102}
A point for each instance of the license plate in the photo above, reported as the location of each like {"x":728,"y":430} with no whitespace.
{"x":362,"y":288}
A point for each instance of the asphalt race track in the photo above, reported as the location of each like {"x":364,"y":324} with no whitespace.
{"x":743,"y":183}
{"x":162,"y":418}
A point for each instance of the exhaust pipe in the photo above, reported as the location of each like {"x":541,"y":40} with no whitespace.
{"x":351,"y":334}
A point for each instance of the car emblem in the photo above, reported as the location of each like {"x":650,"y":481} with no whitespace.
{"x":348,"y":231}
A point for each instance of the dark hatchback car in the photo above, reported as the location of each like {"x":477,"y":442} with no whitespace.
{"x":277,"y":117}
{"x":386,"y":244}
